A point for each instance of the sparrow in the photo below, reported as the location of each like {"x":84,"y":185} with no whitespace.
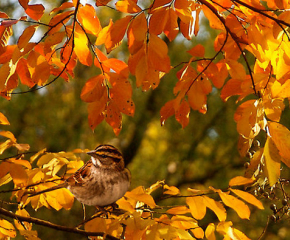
{"x":101,"y":181}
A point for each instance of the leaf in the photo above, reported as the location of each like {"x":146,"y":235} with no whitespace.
{"x":157,"y":54}
{"x":138,"y":194}
{"x":240,"y":207}
{"x":171,"y":190}
{"x":96,"y":112}
{"x":35,"y":11}
{"x":197,"y":206}
{"x":248,"y":198}
{"x":26,"y":36}
{"x":89,"y":20}
{"x":209,"y":232}
{"x":94,"y":89}
{"x":216,"y":207}
{"x":240,"y":181}
{"x":166,"y":111}
{"x":7,"y":229}
{"x":272,"y":161}
{"x":3,"y":119}
{"x":236,"y":69}
{"x":127,"y":6}
{"x":81,"y":48}
{"x":21,"y":226}
{"x":197,"y":51}
{"x":113,"y":117}
{"x":182,"y":113}
{"x":214,"y":21}
{"x":180,"y":210}
{"x":281,"y":137}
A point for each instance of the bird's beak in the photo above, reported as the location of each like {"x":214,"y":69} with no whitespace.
{"x":91,"y":153}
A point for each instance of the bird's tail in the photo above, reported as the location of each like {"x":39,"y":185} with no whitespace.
{"x":62,"y":185}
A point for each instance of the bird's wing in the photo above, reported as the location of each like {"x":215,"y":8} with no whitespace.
{"x":78,"y":178}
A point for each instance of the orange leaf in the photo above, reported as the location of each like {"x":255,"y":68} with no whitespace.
{"x":3,"y":119}
{"x":182,"y":113}
{"x":94,"y":89}
{"x":127,"y":6}
{"x":113,"y":117}
{"x":137,"y":33}
{"x":214,"y":21}
{"x":35,"y":11}
{"x":158,"y":20}
{"x":89,"y":20}
{"x":197,"y":51}
{"x":171,"y":27}
{"x":166,"y":111}
{"x":281,"y":137}
{"x":183,"y":10}
{"x":272,"y":161}
{"x":197,"y":206}
{"x":248,"y":198}
{"x":62,"y":7}
{"x":38,"y":67}
{"x":117,"y":65}
{"x":240,"y":207}
{"x":95,"y":111}
{"x":157,"y":54}
{"x":23,"y":73}
{"x":209,"y":232}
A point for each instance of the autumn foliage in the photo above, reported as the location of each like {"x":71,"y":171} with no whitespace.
{"x":251,"y":62}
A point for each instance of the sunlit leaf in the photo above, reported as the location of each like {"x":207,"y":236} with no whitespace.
{"x":7,"y":229}
{"x":248,"y":198}
{"x":240,"y":180}
{"x":272,"y":161}
{"x":127,"y":6}
{"x":240,"y":207}
{"x":197,"y":207}
{"x":26,"y":36}
{"x":281,"y":137}
{"x":216,"y":207}
{"x":209,"y":232}
{"x":3,"y":119}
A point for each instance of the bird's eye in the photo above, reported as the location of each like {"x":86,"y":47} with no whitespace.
{"x":103,"y":156}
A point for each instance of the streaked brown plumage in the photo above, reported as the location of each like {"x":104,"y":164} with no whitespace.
{"x":101,"y":181}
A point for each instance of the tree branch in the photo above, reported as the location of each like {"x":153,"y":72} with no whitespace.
{"x":44,"y":223}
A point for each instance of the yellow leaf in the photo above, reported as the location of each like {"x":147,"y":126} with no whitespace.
{"x":7,"y":144}
{"x":281,"y":137}
{"x":20,"y":225}
{"x":216,"y":207}
{"x":139,"y":194}
{"x":81,"y":48}
{"x":248,"y":198}
{"x":8,"y":135}
{"x":180,"y":210}
{"x":209,"y":232}
{"x":240,"y":207}
{"x":35,"y":156}
{"x":171,"y":190}
{"x":7,"y":229}
{"x":239,"y":181}
{"x":3,"y":119}
{"x":96,"y":225}
{"x":88,"y":18}
{"x":272,"y":161}
{"x":197,"y":206}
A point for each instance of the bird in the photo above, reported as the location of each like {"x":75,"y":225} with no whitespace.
{"x":101,"y":181}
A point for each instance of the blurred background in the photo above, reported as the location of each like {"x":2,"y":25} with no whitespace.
{"x":201,"y":155}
